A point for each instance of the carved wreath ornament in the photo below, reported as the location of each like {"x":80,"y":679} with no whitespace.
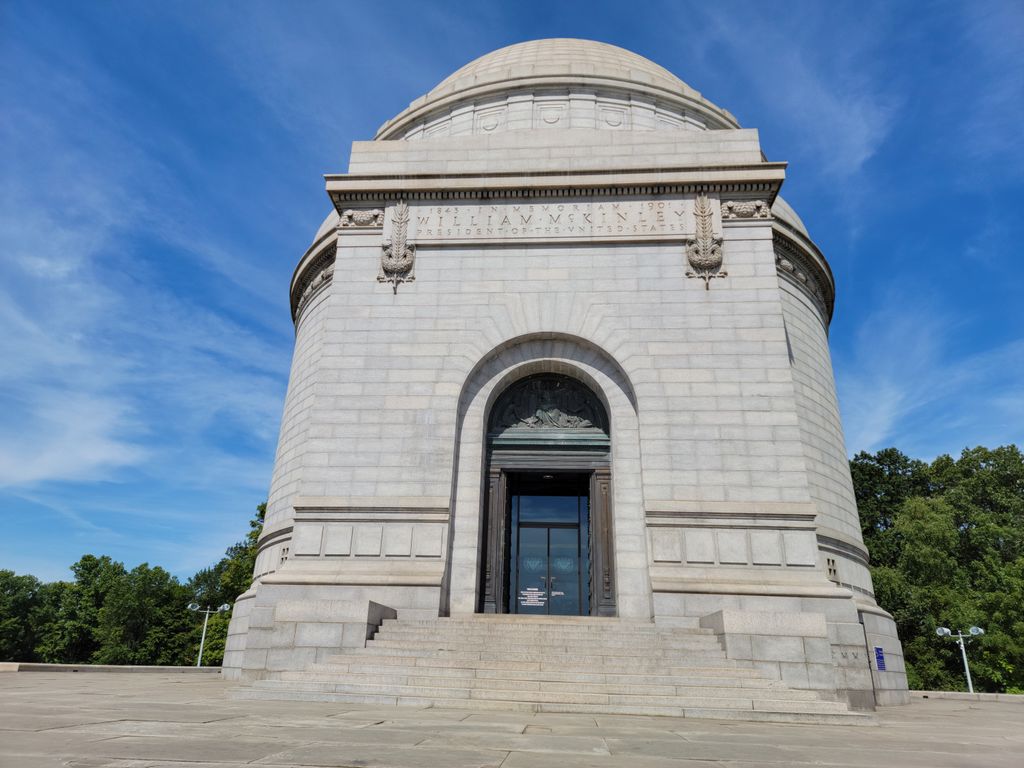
{"x":704,"y":251}
{"x":359,"y":217}
{"x":399,"y":256}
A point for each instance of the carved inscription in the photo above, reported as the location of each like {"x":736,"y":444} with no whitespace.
{"x":535,"y":220}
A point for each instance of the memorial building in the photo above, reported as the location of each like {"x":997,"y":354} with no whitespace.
{"x":561,"y":431}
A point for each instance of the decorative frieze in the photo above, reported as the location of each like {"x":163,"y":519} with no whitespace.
{"x":800,"y":271}
{"x":315,"y":278}
{"x":398,"y":257}
{"x":704,"y":251}
{"x":367,"y":218}
{"x":745,"y":209}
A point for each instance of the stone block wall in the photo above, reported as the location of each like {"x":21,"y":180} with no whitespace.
{"x":890,"y":684}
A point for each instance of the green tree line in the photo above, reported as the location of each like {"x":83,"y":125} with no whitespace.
{"x":947,"y":550}
{"x":112,"y":615}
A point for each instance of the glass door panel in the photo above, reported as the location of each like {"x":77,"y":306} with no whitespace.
{"x":532,"y":567}
{"x":564,"y":571}
{"x":550,"y":536}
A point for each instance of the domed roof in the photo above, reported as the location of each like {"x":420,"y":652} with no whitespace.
{"x":564,"y":63}
{"x":560,"y":56}
{"x":784,"y":212}
{"x":329,"y":224}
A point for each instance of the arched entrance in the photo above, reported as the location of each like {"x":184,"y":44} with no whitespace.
{"x":547,"y":511}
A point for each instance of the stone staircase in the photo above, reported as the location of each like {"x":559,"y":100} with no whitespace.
{"x":552,"y":664}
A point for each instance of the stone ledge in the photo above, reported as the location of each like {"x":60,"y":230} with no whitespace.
{"x":1006,"y":698}
{"x":21,"y":666}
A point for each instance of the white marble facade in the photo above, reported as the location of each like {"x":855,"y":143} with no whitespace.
{"x":564,"y":206}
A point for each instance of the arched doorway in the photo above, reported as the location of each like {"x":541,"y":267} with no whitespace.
{"x":547,"y":534}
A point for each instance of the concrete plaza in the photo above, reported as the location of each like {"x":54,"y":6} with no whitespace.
{"x":177,"y":720}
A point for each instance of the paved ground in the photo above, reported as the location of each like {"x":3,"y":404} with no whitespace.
{"x":102,"y":720}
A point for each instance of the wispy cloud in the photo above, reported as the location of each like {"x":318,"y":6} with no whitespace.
{"x":991,"y":119}
{"x":906,"y":383}
{"x":114,"y":366}
{"x":813,"y":77}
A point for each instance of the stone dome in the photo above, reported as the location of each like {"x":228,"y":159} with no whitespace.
{"x":560,"y":56}
{"x":783,"y":211}
{"x":561,"y":66}
{"x":328,"y":225}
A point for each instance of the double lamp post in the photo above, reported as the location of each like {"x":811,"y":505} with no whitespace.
{"x":960,"y":638}
{"x":208,"y":611}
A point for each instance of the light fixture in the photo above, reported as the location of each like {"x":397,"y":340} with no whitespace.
{"x":961,"y":641}
{"x":206,"y":618}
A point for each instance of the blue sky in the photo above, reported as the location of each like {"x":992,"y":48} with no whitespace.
{"x":160,"y":174}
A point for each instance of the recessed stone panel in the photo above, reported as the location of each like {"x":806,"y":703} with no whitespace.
{"x":801,"y":548}
{"x":368,"y":539}
{"x":765,"y":548}
{"x":666,"y":545}
{"x":398,"y":540}
{"x":427,"y":540}
{"x":732,"y":547}
{"x":700,"y":546}
{"x":338,"y":540}
{"x":306,"y":539}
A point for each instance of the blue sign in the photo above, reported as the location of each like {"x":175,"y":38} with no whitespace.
{"x":879,"y":659}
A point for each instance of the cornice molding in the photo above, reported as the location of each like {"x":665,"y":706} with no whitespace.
{"x":757,"y":180}
{"x":312,"y":277}
{"x":799,"y":268}
{"x":342,"y":199}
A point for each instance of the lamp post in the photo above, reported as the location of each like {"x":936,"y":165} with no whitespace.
{"x":207,"y":611}
{"x":972,"y":632}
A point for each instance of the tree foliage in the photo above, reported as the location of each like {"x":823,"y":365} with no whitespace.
{"x":947,"y":549}
{"x":110,"y":615}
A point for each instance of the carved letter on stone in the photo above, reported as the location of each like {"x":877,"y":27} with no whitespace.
{"x":399,"y":257}
{"x":372,"y":217}
{"x":745,"y":209}
{"x":704,"y":251}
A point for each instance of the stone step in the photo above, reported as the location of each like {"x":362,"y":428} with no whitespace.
{"x":599,"y":622}
{"x":537,"y":661}
{"x":589,"y":649}
{"x":556,"y":660}
{"x":704,"y":713}
{"x":662,"y":641}
{"x":567,"y":656}
{"x":766,"y":710}
{"x":531,"y":671}
{"x":775,"y":699}
{"x":552,"y":664}
{"x":666,"y":688}
{"x":497,"y":628}
{"x":629,"y":630}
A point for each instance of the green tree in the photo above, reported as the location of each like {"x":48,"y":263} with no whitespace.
{"x":19,"y":603}
{"x":70,"y":632}
{"x":947,"y":546}
{"x":881,"y":483}
{"x":240,"y":558}
{"x":143,"y":620}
